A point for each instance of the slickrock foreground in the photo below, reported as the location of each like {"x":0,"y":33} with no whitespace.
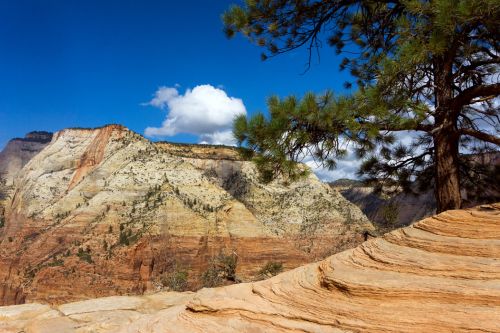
{"x":441,"y":274}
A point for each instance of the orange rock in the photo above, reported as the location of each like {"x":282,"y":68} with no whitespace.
{"x":439,"y":275}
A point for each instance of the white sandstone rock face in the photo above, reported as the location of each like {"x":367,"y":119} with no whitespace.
{"x":82,"y":172}
{"x":108,"y":206}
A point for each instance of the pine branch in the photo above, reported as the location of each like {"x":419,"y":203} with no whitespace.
{"x":474,"y":65}
{"x":481,"y":135}
{"x":469,"y":94}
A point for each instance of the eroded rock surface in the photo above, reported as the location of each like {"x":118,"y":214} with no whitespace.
{"x":104,"y":211}
{"x":16,"y":154}
{"x":441,"y":274}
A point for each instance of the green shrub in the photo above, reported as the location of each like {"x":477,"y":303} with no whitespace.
{"x":270,"y":269}
{"x":175,"y":280}
{"x":56,"y":262}
{"x":127,"y":237}
{"x":124,"y":239}
{"x":390,"y":213}
{"x":222,"y":268}
{"x":84,"y":255}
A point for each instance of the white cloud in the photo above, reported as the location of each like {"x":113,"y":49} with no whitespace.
{"x":346,"y":168}
{"x":219,"y":138}
{"x":350,"y":164}
{"x":406,"y":138}
{"x":205,"y":111}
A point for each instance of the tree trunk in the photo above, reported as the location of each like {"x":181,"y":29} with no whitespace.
{"x":447,"y":180}
{"x":446,"y":139}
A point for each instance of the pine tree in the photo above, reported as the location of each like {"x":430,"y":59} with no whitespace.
{"x":429,"y":67}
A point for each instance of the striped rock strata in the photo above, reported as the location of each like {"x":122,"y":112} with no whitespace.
{"x":441,"y":274}
{"x":101,"y":212}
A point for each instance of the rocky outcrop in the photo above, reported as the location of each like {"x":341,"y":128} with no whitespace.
{"x":441,"y":274}
{"x":105,"y":212}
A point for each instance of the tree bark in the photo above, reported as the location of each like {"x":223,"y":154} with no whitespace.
{"x":446,"y":139}
{"x":447,"y":181}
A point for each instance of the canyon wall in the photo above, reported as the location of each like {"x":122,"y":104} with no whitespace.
{"x":387,"y":212}
{"x":104,"y":211}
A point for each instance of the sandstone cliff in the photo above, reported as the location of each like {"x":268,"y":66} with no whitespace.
{"x":13,"y":158}
{"x":106,"y":212}
{"x":441,"y":274}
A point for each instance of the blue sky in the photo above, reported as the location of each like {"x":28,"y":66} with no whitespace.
{"x":89,"y":63}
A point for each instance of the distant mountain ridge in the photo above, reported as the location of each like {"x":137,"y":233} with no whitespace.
{"x":403,"y":209}
{"x":20,"y":151}
{"x":36,"y":136}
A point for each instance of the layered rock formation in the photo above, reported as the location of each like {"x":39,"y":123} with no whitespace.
{"x":441,"y":274}
{"x":13,"y":158}
{"x":106,"y":212}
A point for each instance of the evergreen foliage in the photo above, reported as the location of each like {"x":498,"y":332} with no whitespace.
{"x":221,"y":268}
{"x":176,"y":279}
{"x":3,"y":187}
{"x":84,"y":255}
{"x":270,"y":269}
{"x":429,"y":67}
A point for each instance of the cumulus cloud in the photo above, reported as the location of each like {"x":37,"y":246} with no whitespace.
{"x":205,"y":111}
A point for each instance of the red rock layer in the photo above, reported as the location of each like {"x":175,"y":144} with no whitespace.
{"x":439,"y":275}
{"x":29,"y":276}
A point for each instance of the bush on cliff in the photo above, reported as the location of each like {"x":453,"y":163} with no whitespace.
{"x":222,"y":268}
{"x":176,"y":279}
{"x":271,"y":268}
